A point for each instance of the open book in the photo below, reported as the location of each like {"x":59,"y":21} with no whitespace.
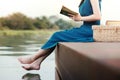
{"x":66,"y":11}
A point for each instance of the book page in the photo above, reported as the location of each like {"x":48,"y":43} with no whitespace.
{"x":66,"y":11}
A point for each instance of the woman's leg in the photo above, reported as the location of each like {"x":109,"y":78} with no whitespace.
{"x":33,"y":62}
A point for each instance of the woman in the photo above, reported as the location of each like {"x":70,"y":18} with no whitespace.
{"x":89,"y":14}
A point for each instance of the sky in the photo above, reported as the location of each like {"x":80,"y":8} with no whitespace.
{"x":35,"y":8}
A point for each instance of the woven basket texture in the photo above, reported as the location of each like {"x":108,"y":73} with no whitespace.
{"x":106,"y":32}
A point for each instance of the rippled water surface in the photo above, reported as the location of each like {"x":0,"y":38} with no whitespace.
{"x":13,"y":47}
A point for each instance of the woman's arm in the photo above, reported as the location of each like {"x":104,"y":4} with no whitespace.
{"x":95,"y":16}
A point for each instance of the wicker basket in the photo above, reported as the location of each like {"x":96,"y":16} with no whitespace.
{"x":113,"y":22}
{"x":106,"y":33}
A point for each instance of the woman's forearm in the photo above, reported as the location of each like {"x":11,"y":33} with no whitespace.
{"x":90,"y":18}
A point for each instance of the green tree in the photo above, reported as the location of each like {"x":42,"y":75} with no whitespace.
{"x":63,"y":24}
{"x":2,"y":24}
{"x":18,"y":21}
{"x":42,"y":23}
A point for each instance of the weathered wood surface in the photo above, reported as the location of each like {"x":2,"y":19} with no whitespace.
{"x":88,"y":61}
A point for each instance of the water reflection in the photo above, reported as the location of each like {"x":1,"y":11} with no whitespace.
{"x":20,"y":43}
{"x":13,"y":47}
{"x":30,"y":76}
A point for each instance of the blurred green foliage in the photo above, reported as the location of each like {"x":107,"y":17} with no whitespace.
{"x":19,"y":21}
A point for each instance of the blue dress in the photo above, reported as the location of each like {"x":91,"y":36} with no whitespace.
{"x":83,"y":33}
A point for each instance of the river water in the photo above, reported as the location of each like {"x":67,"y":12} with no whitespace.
{"x":13,"y":47}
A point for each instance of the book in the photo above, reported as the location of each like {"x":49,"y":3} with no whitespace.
{"x":66,"y":11}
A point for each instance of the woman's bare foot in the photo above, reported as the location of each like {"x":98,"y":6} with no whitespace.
{"x":31,"y":58}
{"x":33,"y":62}
{"x":34,"y":65}
{"x":31,"y":67}
{"x":26,"y":59}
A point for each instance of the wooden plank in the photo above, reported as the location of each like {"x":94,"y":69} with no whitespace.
{"x":88,"y":61}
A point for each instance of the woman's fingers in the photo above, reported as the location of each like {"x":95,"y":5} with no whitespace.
{"x":70,"y":15}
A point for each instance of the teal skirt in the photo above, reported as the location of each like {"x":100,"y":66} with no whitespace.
{"x":80,"y":34}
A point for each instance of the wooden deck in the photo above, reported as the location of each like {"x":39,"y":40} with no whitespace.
{"x":88,"y":61}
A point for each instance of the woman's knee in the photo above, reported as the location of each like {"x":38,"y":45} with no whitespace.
{"x":57,"y":33}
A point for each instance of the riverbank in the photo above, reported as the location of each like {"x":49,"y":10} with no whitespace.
{"x":25,"y":32}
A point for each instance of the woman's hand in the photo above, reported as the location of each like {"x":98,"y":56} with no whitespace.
{"x":76,"y":17}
